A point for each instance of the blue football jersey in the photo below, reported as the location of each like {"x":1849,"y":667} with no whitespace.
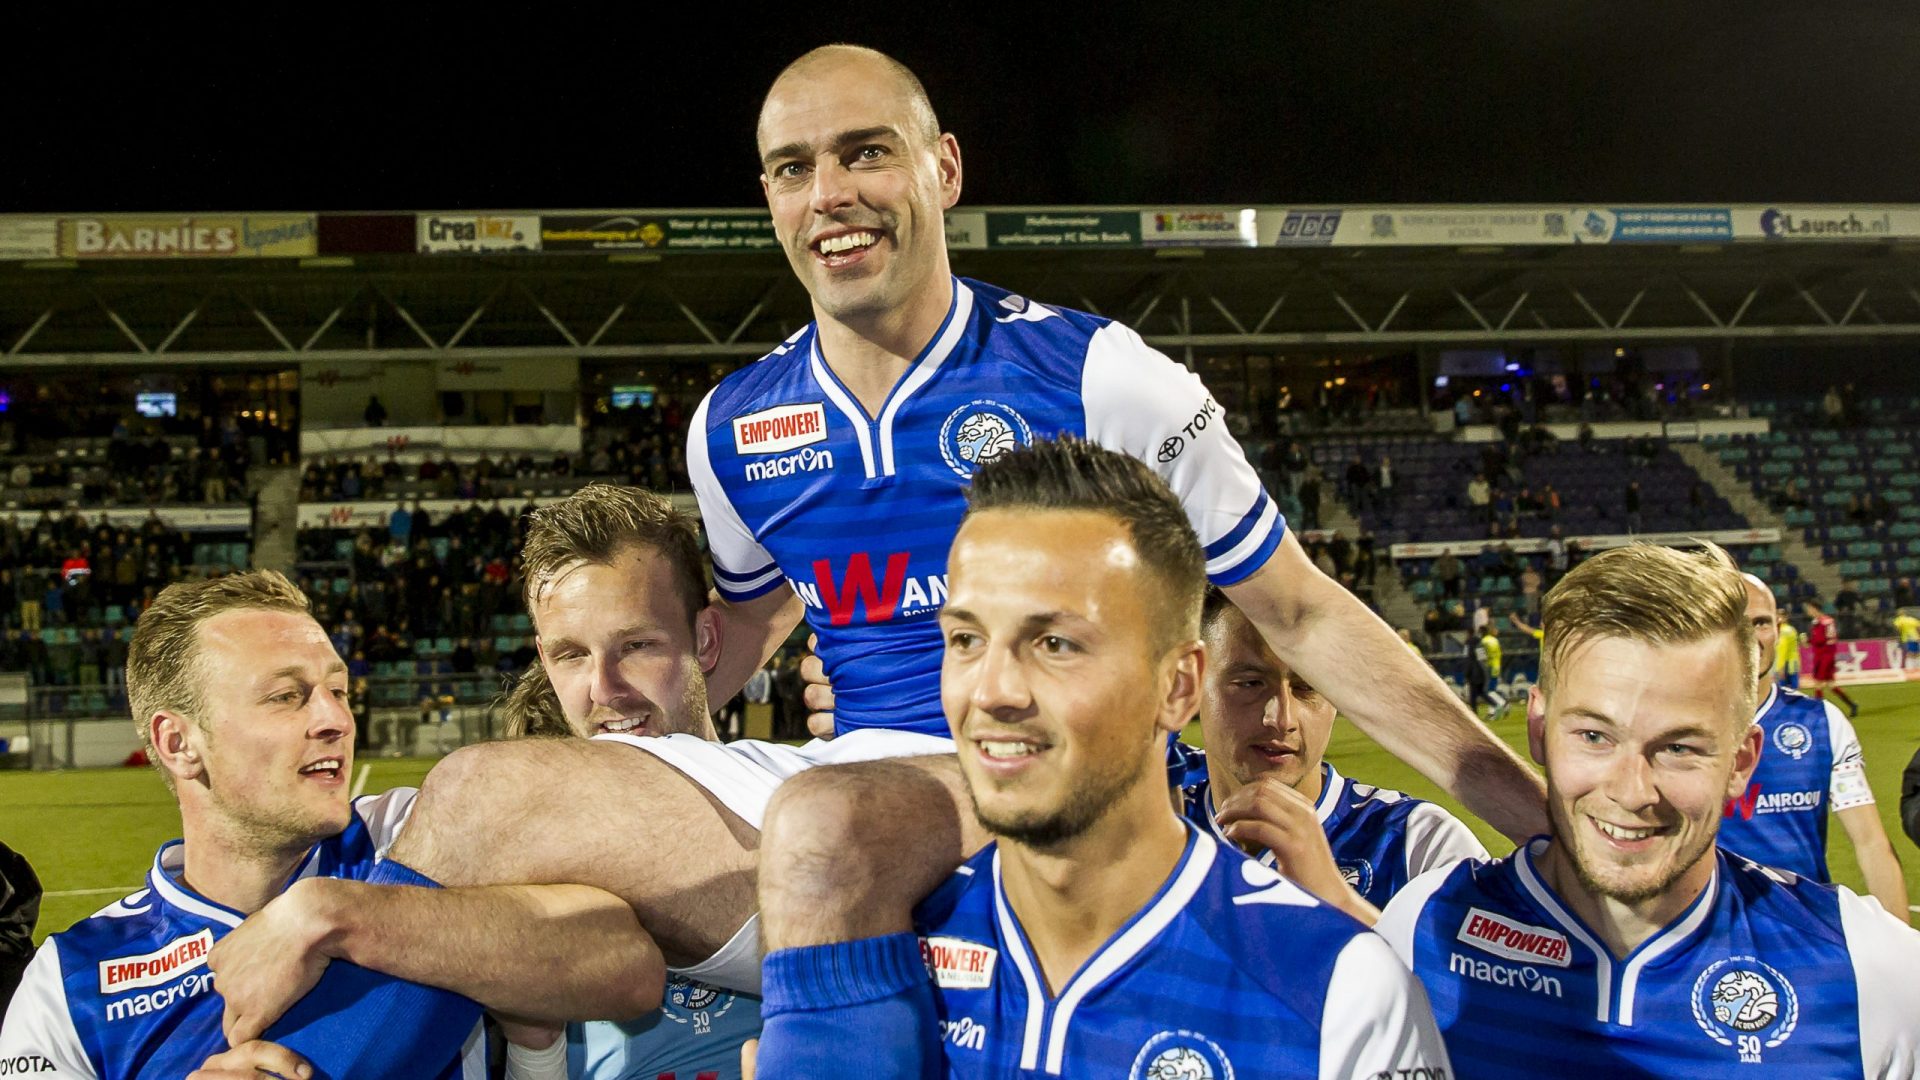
{"x":1230,"y":970}
{"x":126,"y":992}
{"x":695,"y":1035}
{"x":1766,"y":973}
{"x":800,"y":489}
{"x":1381,"y":839}
{"x":1810,"y":765}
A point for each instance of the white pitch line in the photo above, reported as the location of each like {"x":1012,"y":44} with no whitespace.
{"x":121,"y":889}
{"x":360,"y":780}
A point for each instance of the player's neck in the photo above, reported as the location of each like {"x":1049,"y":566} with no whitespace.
{"x":1622,"y":926}
{"x":870,"y":353}
{"x":1072,"y":899}
{"x":1221,"y":783}
{"x":227,"y":867}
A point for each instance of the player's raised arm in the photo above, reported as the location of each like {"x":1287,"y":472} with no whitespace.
{"x":1349,"y":654}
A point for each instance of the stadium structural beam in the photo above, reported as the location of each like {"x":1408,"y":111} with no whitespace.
{"x":21,"y":341}
{"x":477,"y":313}
{"x":122,"y":324}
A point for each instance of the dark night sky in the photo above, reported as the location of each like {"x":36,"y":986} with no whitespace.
{"x":1285,"y":102}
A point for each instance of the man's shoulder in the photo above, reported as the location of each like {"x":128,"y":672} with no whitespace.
{"x":1270,"y":931}
{"x":139,"y":918}
{"x":771,"y":380}
{"x":1768,"y":896}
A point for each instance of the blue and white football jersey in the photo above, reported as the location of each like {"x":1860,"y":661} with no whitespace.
{"x":1381,"y":839}
{"x":1230,"y":970}
{"x":126,"y":992}
{"x":696,"y":1034}
{"x":1810,"y":765}
{"x":1766,"y":973}
{"x":799,"y":488}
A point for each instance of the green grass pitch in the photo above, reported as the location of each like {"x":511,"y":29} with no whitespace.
{"x":91,"y":834}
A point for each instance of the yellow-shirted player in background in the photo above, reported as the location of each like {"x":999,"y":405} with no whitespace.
{"x":1786,"y":660}
{"x":1908,"y":628}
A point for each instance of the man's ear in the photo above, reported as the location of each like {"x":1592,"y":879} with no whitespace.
{"x":1537,"y":724}
{"x":176,"y":746}
{"x":1186,"y":668}
{"x":706,"y":639}
{"x":1746,"y":757}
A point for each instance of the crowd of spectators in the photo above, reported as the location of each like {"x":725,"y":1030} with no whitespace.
{"x":381,"y":591}
{"x":70,"y":590}
{"x":133,"y":469}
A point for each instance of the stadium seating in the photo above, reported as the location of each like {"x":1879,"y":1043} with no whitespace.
{"x":1852,"y":492}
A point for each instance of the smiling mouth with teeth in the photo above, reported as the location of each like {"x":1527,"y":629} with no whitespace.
{"x":622,"y":725}
{"x":1619,"y":833}
{"x":995,"y":749}
{"x":329,"y":766}
{"x":834,"y":245}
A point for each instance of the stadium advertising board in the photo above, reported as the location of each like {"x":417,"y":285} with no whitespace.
{"x":184,"y":518}
{"x":29,"y":238}
{"x":215,"y":236}
{"x":1063,"y":228}
{"x":1868,"y":660}
{"x":1652,"y":225}
{"x":442,"y":234}
{"x":693,"y":230}
{"x":1600,"y":542}
{"x":1817,"y":223}
{"x":966,"y":230}
{"x":1196,"y":227}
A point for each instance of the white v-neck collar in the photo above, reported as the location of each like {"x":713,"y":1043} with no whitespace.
{"x":876,"y":438}
{"x":1048,"y":1019}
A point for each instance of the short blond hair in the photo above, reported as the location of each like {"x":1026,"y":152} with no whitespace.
{"x":163,"y":658}
{"x":1651,"y":594}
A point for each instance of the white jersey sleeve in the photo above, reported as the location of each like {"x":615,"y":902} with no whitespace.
{"x":548,"y":1064}
{"x":1401,"y":916}
{"x":386,"y":814}
{"x":742,"y":568}
{"x":1847,"y":788}
{"x":1141,"y":403}
{"x":1377,"y":1020}
{"x":1885,"y":953}
{"x":1437,"y":839}
{"x":38,"y":1038}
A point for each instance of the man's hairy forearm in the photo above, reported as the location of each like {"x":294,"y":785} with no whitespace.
{"x":1351,"y":656}
{"x":544,"y":952}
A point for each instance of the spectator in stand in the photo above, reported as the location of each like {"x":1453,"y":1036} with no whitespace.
{"x":375,"y":414}
{"x":1696,"y":504}
{"x":1479,"y":495}
{"x":400,"y":524}
{"x":1833,"y":408}
{"x":1310,"y":498}
{"x":1383,"y":482}
{"x":1631,"y":502}
{"x":1447,"y":571}
{"x":1530,"y":583}
{"x":1846,"y":609}
{"x":1904,"y":594}
{"x":1359,"y":481}
{"x":1858,"y":510}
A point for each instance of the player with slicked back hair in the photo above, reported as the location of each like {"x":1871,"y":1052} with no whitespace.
{"x":1628,"y":942}
{"x":1085,"y":940}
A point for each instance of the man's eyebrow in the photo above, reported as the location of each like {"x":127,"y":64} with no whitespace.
{"x":841,"y":141}
{"x":295,"y":671}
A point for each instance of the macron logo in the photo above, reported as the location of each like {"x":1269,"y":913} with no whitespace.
{"x":958,"y":964}
{"x":1502,"y":936}
{"x":784,"y":427}
{"x":177,"y":957}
